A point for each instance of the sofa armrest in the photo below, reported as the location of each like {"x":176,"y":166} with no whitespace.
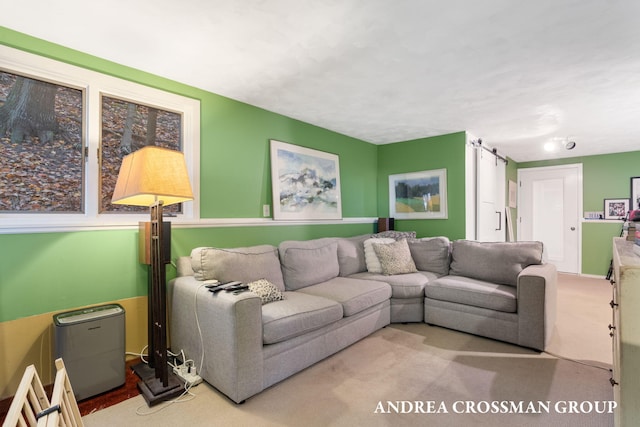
{"x":228,"y":327}
{"x":536,"y":293}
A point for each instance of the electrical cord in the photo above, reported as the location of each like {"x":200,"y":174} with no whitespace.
{"x":179,"y":399}
{"x":141,"y":355}
{"x":195,"y":300}
{"x":187,"y":388}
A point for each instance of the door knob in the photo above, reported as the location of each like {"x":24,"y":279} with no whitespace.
{"x":573,"y":229}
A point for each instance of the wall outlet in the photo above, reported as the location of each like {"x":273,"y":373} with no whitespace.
{"x":266,"y":211}
{"x":190,"y":379}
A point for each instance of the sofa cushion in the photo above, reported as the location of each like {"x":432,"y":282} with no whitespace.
{"x":267,"y":291}
{"x":351,"y":254}
{"x":355,"y":295}
{"x":498,"y":262}
{"x":431,"y":254}
{"x":306,"y":263}
{"x":395,"y":258}
{"x":243,"y":264}
{"x":297,"y":314}
{"x":402,"y":285}
{"x":370,"y":256}
{"x":476,"y":293}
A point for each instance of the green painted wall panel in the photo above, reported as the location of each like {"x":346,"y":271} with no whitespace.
{"x":597,"y":246}
{"x":605,"y":176}
{"x":45,"y":272}
{"x":446,"y":151}
{"x":235,"y":160}
{"x":183,"y":240}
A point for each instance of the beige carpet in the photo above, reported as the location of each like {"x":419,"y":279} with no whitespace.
{"x":413,"y":363}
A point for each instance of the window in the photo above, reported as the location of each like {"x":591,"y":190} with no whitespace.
{"x":63,"y":133}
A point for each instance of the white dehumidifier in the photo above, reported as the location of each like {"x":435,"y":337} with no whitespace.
{"x":92,"y":344}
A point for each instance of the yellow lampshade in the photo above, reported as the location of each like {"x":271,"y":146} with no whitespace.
{"x":152,"y":174}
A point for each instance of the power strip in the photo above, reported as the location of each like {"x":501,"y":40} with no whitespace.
{"x":190,"y":379}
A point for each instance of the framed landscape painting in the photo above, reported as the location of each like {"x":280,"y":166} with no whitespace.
{"x":305,"y":183}
{"x":418,"y":195}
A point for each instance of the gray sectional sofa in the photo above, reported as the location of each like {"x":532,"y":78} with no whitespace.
{"x":326,"y":294}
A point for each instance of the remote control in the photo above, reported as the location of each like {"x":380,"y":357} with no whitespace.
{"x":236,"y":288}
{"x":226,"y":285}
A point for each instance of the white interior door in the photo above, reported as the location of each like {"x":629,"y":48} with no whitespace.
{"x":549,"y":205}
{"x":490,"y":190}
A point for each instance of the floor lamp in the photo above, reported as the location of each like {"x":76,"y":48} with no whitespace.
{"x":155,"y":177}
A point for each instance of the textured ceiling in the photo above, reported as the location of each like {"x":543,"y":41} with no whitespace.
{"x":516,"y":73}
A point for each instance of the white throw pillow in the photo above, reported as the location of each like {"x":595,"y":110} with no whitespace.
{"x":370,"y":256}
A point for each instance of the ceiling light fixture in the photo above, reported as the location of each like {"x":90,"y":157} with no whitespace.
{"x":557,"y":143}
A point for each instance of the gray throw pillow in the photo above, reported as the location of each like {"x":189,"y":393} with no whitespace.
{"x":309,"y":262}
{"x":242,"y":264}
{"x":395,"y":258}
{"x":351,"y":256}
{"x":495,"y":262}
{"x":431,"y":254}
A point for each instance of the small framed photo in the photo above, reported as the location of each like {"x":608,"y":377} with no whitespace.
{"x":635,"y":193}
{"x":616,"y":208}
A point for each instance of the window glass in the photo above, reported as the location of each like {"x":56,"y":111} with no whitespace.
{"x":127,"y":127}
{"x":41,"y":146}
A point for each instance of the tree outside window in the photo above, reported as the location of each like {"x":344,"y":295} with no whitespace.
{"x":41,"y":146}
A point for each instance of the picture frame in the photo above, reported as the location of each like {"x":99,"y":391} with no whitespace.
{"x":513,"y":194}
{"x":418,"y":195}
{"x":634,"y":201}
{"x":305,"y":183}
{"x":616,"y":208}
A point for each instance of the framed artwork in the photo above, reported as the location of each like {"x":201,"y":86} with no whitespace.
{"x":616,"y":208}
{"x":305,"y":183}
{"x":418,"y":195}
{"x":635,"y":193}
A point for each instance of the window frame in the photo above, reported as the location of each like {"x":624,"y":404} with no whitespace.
{"x":94,"y":85}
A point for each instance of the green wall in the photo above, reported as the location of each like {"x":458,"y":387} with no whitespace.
{"x":511,"y":174}
{"x":604,"y":177}
{"x":235,"y":168}
{"x":446,"y":151}
{"x":47,"y":272}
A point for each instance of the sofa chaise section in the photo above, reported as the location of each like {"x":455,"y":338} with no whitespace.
{"x":497,"y":290}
